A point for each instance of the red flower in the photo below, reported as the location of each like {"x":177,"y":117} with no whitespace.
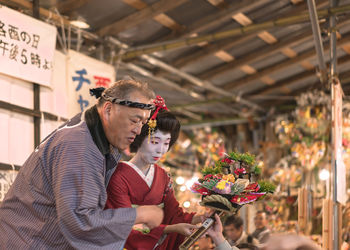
{"x":246,"y":198}
{"x":208,"y":176}
{"x":227,"y":161}
{"x":254,"y":187}
{"x":197,"y":188}
{"x":240,"y":171}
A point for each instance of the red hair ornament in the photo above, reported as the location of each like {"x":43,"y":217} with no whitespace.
{"x":152,"y":123}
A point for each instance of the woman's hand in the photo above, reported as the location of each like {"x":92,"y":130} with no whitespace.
{"x":200,"y":218}
{"x":180,"y":228}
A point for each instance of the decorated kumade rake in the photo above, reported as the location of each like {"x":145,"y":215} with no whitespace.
{"x":226,"y":187}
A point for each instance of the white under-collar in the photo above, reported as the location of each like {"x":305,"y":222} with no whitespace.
{"x":148,"y":178}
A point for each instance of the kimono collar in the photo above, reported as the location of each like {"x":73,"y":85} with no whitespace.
{"x":94,"y":124}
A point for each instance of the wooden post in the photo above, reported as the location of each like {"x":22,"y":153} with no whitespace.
{"x":327,"y":224}
{"x":302,"y":210}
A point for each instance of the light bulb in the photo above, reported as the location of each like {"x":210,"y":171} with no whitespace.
{"x":324,"y":174}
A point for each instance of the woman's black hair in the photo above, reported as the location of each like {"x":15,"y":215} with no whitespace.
{"x":166,"y":122}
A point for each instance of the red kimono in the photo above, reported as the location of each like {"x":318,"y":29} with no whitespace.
{"x":127,"y":187}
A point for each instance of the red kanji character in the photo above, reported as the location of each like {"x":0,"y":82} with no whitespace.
{"x":102,"y":81}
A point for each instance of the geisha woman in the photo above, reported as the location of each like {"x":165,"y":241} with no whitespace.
{"x":141,"y":181}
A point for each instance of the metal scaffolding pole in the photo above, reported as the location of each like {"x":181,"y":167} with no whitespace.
{"x":316,"y":31}
{"x":333,"y":79}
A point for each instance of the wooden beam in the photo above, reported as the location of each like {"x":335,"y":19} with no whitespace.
{"x":140,"y":16}
{"x":267,"y":37}
{"x":248,"y":69}
{"x":267,"y":80}
{"x":162,"y":18}
{"x":43,"y":12}
{"x":346,"y":48}
{"x":137,"y":4}
{"x":69,"y":6}
{"x":242,"y":19}
{"x":255,"y":55}
{"x":167,"y":21}
{"x":258,"y":54}
{"x":289,"y":52}
{"x":212,"y":48}
{"x":281,"y":65}
{"x":307,"y":65}
{"x":290,"y":80}
{"x":223,"y":55}
{"x":217,"y":3}
{"x":214,"y":20}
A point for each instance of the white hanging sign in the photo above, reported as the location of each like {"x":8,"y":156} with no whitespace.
{"x":27,"y":46}
{"x":85,"y":73}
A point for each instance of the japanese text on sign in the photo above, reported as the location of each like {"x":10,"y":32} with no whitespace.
{"x":26,"y":47}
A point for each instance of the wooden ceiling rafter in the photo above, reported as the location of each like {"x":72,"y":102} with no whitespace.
{"x":213,"y":20}
{"x":221,"y":4}
{"x":222,"y":15}
{"x":212,"y":48}
{"x":140,"y":16}
{"x":161,"y":18}
{"x":295,"y":78}
{"x":258,"y":54}
{"x":281,"y":65}
{"x":225,"y":34}
{"x":68,"y":6}
{"x":137,"y":4}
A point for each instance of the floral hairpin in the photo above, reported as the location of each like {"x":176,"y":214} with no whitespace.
{"x":152,"y":123}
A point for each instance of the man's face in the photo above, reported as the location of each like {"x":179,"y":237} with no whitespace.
{"x":233,"y":233}
{"x":123,"y":123}
{"x":152,"y":150}
{"x":260,"y":220}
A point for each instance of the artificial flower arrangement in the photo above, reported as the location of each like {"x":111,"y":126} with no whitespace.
{"x":231,"y":183}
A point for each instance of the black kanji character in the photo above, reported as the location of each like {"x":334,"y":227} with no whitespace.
{"x":35,"y":59}
{"x":14,"y":52}
{"x":13,"y":32}
{"x":3,"y":46}
{"x":2,"y":30}
{"x":36,"y":39}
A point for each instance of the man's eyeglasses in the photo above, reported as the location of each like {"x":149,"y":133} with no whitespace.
{"x":130,"y":104}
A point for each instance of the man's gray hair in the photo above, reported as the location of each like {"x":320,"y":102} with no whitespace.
{"x":123,"y":88}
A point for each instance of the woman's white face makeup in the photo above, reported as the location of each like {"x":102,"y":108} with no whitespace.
{"x":152,"y":150}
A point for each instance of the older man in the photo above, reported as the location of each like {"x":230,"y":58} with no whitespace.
{"x":261,"y":232}
{"x":57,"y":200}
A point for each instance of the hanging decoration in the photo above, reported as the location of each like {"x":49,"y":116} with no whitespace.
{"x":287,"y":174}
{"x":312,"y":123}
{"x":312,"y":114}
